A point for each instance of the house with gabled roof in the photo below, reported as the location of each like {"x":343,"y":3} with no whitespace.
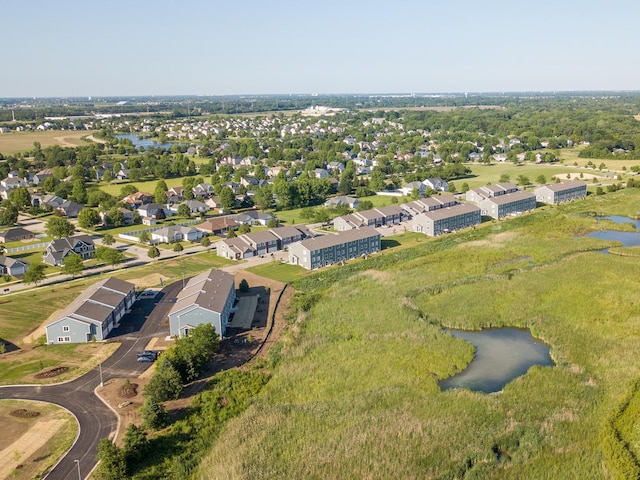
{"x":325,"y":250}
{"x":511,"y":204}
{"x":252,"y":217}
{"x":490,"y":191}
{"x":351,"y":202}
{"x":70,"y":209}
{"x":436,"y":184}
{"x":13,"y":266}
{"x":136,"y":200}
{"x":444,"y":220}
{"x":217,"y":225}
{"x":93,"y":314}
{"x":561,"y":192}
{"x":176,"y":233}
{"x":15,"y":235}
{"x":57,"y":250}
{"x":206,"y":298}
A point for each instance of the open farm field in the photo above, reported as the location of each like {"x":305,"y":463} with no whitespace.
{"x":16,"y":142}
{"x":354,"y":390}
{"x":35,"y":435}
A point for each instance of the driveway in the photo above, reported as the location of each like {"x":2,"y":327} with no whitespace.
{"x":96,"y":420}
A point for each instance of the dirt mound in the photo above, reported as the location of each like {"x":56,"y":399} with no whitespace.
{"x":128,"y":390}
{"x":54,"y":372}
{"x":24,"y":413}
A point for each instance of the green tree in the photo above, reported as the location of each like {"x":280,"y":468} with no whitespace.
{"x":263,"y":198}
{"x":205,"y":242}
{"x":523,"y":180}
{"x":35,"y":273}
{"x":227,"y":198}
{"x":376,"y":181}
{"x":136,"y":445}
{"x":231,"y":233}
{"x":144,"y":237}
{"x":49,"y":184}
{"x":178,"y":247}
{"x":110,"y":256}
{"x":160,"y":192}
{"x":166,"y":383}
{"x":8,"y":214}
{"x":244,"y":228}
{"x":243,"y":286}
{"x":72,"y":264}
{"x":112,"y":465}
{"x":20,"y":197}
{"x":79,"y":191}
{"x":108,"y":239}
{"x":58,"y":227}
{"x":154,"y":414}
{"x":184,"y":211}
{"x":88,"y":218}
{"x":153,"y":252}
{"x":116,"y":217}
{"x":541,"y":179}
{"x":464,"y":188}
{"x":272,"y":222}
{"x":505,"y":178}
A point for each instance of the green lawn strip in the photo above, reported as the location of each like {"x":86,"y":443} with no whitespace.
{"x":282,"y":272}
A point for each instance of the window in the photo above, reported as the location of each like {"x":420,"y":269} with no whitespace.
{"x":65,"y":328}
{"x":64,"y":339}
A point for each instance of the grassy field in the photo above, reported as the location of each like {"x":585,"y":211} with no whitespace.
{"x":15,"y":142}
{"x":281,"y":272}
{"x":354,"y":390}
{"x":28,"y":461}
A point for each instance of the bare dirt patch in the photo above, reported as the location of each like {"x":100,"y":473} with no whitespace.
{"x":148,"y":281}
{"x":24,"y":413}
{"x":53,"y":372}
{"x":376,"y":275}
{"x":34,"y":436}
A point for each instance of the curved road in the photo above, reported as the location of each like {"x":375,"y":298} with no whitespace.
{"x":96,"y":420}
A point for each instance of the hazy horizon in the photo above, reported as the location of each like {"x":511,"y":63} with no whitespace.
{"x":75,"y":49}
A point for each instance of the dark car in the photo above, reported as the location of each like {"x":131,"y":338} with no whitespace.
{"x":146,"y":358}
{"x":148,"y":353}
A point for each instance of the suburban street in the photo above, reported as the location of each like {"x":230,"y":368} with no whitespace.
{"x":95,"y":419}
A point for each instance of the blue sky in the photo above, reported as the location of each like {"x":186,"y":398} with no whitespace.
{"x":222,"y":47}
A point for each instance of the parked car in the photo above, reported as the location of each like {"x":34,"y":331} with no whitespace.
{"x":146,"y":358}
{"x":148,"y":353}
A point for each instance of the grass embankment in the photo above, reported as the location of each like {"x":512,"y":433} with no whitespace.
{"x":354,"y":391}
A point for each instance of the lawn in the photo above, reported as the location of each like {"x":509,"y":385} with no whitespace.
{"x":15,"y":142}
{"x":354,"y":390}
{"x":282,"y":272}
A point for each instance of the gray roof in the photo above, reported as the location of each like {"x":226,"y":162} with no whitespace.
{"x":287,"y":232}
{"x":451,"y":211}
{"x":10,"y":262}
{"x":16,"y":233}
{"x":325,"y":241}
{"x":97,"y":302}
{"x":68,"y":243}
{"x":559,"y":187}
{"x":208,"y":290}
{"x":510,"y":197}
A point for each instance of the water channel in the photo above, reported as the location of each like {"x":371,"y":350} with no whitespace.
{"x":501,"y":355}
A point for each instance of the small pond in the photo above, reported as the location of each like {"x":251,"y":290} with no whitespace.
{"x":628,"y":239}
{"x":501,"y":354}
{"x":145,"y":142}
{"x":618,"y":219}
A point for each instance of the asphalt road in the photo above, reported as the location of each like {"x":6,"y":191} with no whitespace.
{"x":96,"y":420}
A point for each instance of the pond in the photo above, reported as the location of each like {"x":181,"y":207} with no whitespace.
{"x":145,"y":142}
{"x":628,"y":239}
{"x":501,"y":355}
{"x":619,"y":219}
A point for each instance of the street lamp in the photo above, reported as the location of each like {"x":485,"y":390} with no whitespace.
{"x":100,"y":366}
{"x":78,"y":464}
